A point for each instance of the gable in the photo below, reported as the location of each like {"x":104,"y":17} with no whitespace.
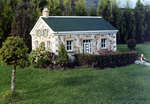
{"x":77,"y":23}
{"x":40,"y":25}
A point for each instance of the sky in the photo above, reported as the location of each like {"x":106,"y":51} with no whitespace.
{"x":132,"y":3}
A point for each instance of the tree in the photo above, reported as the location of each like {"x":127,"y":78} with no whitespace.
{"x":92,"y":10}
{"x":80,"y":8}
{"x":104,"y":9}
{"x":14,"y":53}
{"x":38,"y":6}
{"x":147,"y":22}
{"x":139,"y":17}
{"x":23,"y":22}
{"x":62,"y":59}
{"x":55,"y":7}
{"x":129,"y":19}
{"x":6,"y":17}
{"x":67,"y":7}
{"x":116,"y":19}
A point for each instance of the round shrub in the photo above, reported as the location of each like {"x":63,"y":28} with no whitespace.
{"x":131,"y":44}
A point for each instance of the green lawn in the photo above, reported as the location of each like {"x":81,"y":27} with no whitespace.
{"x":123,"y":85}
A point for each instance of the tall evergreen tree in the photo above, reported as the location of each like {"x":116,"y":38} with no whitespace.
{"x":147,"y":22}
{"x":55,"y":7}
{"x":116,"y":19}
{"x":129,"y":23}
{"x":6,"y":17}
{"x":104,"y":9}
{"x":67,"y":7}
{"x":38,"y":6}
{"x":139,"y":17}
{"x":80,"y":8}
{"x":92,"y":11}
{"x":23,"y":22}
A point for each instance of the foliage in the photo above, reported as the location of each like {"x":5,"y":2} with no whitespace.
{"x":139,"y":17}
{"x":62,"y":59}
{"x":14,"y":52}
{"x":92,"y":11}
{"x":105,"y":9}
{"x":116,"y":20}
{"x":131,"y":22}
{"x":42,"y":58}
{"x":129,"y":32}
{"x":23,"y":22}
{"x":67,"y":7}
{"x":131,"y":44}
{"x":107,"y":60}
{"x":54,"y":7}
{"x":5,"y":21}
{"x":147,"y":23}
{"x":80,"y":8}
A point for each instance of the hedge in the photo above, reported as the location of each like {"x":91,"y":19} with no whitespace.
{"x":106,"y":60}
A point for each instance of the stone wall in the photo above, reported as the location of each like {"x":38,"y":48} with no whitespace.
{"x":95,"y":42}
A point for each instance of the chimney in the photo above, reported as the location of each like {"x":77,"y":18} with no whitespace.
{"x":45,"y":12}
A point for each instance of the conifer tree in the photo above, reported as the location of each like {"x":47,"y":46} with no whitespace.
{"x":139,"y":18}
{"x":80,"y":8}
{"x":23,"y":22}
{"x":62,"y":59}
{"x":104,"y":9}
{"x":6,"y":17}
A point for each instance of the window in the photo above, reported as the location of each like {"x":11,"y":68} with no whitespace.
{"x":103,"y":43}
{"x":48,"y":44}
{"x":36,"y":43}
{"x":69,"y":45}
{"x":86,"y":46}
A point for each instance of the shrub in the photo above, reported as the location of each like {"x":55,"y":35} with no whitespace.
{"x":131,"y":44}
{"x":42,"y":58}
{"x":106,"y":60}
{"x":62,"y":59}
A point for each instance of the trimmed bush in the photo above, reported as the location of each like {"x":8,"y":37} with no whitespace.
{"x":42,"y":58}
{"x":107,"y":60}
{"x":131,"y":44}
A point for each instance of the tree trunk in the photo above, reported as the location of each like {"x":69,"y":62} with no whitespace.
{"x":13,"y":80}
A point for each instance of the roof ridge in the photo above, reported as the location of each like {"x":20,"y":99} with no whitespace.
{"x":74,"y":16}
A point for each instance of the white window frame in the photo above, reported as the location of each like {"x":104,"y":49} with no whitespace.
{"x":103,"y":43}
{"x":69,"y":45}
{"x":87,"y":46}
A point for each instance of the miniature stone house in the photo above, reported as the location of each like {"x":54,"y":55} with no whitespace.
{"x":79,"y":34}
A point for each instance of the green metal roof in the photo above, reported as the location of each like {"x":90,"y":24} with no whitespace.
{"x":62,"y":23}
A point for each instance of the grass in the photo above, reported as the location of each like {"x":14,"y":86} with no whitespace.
{"x":122,"y":85}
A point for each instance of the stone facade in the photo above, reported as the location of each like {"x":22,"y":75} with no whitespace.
{"x":95,"y":39}
{"x":43,"y":33}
